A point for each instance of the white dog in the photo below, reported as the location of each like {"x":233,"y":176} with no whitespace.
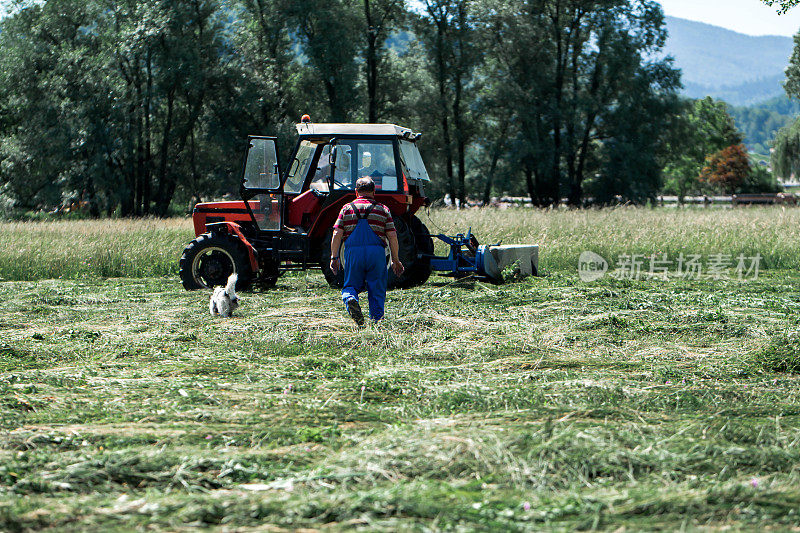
{"x":224,"y":301}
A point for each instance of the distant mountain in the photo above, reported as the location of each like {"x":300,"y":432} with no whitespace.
{"x":730,"y":66}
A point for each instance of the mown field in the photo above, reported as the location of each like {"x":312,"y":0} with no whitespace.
{"x":546,"y":404}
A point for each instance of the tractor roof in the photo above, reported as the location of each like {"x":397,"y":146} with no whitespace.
{"x":324,"y":130}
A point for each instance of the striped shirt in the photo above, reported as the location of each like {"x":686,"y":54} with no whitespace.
{"x":380,"y":218}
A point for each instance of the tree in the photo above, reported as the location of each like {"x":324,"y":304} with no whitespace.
{"x":446,"y":29}
{"x":636,"y":135}
{"x":519,"y":68}
{"x":36,"y":145}
{"x":494,"y":135}
{"x":792,"y":84}
{"x":138,"y":105}
{"x":266,"y":62}
{"x":379,"y":16}
{"x":703,"y":128}
{"x":783,"y":5}
{"x":112,"y":100}
{"x":266,"y":90}
{"x":786,"y":157}
{"x":727,"y":169}
{"x":760,"y":180}
{"x":569,"y":66}
{"x":326,"y":29}
{"x":760,"y":124}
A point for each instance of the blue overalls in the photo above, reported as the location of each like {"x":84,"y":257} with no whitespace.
{"x":365,"y":266}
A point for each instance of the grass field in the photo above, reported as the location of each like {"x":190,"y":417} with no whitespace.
{"x":548,"y":404}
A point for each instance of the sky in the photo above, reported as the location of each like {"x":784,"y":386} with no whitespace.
{"x":751,"y":17}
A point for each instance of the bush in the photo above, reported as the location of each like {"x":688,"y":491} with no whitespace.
{"x":760,"y":180}
{"x":6,"y":206}
{"x":727,"y":169}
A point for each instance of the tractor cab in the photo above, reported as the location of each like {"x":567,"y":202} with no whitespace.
{"x":322,"y":172}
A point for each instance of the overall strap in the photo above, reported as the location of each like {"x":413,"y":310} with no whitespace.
{"x":359,"y":216}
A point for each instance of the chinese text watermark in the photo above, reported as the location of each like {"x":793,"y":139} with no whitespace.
{"x":592,"y":266}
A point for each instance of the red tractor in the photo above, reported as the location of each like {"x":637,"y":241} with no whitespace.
{"x":284,"y":221}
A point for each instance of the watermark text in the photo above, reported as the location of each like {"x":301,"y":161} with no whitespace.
{"x":636,"y":267}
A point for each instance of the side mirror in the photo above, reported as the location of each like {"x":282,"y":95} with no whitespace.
{"x":332,"y":158}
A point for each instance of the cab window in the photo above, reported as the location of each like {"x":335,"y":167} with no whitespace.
{"x":320,"y":180}
{"x":413,"y":161}
{"x":299,"y":167}
{"x":356,"y":159}
{"x":261,"y":168}
{"x":376,"y":160}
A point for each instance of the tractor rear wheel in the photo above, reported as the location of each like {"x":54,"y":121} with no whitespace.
{"x":414,"y":239}
{"x":334,"y":280}
{"x":210,"y":259}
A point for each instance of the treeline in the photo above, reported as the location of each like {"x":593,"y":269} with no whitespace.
{"x":137,"y":107}
{"x":706,"y":155}
{"x":759,"y":123}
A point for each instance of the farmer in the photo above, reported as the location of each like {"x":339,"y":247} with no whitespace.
{"x":366,"y":227}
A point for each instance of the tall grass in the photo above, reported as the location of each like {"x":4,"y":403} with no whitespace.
{"x":142,"y":248}
{"x":92,"y":248}
{"x":773,"y":232}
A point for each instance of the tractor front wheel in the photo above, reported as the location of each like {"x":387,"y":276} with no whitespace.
{"x":210,"y":259}
{"x":269,"y":274}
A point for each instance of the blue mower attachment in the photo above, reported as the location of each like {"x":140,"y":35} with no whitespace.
{"x":484,"y":262}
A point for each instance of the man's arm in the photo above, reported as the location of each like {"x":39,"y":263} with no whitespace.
{"x":336,"y":245}
{"x":394,"y":248}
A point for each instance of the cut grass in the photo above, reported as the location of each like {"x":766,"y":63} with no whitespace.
{"x":781,"y":355}
{"x":549,"y":404}
{"x":546,"y":404}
